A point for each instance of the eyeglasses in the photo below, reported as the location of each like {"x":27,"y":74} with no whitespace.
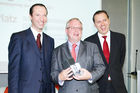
{"x":74,"y":28}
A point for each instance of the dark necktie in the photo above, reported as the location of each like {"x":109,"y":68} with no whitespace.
{"x":106,"y":49}
{"x":38,"y":41}
{"x":73,"y":53}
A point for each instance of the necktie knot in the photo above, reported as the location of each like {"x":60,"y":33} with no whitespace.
{"x":104,"y":37}
{"x":74,"y":45}
{"x":39,"y":35}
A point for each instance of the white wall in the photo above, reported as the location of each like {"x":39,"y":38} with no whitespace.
{"x":14,"y":17}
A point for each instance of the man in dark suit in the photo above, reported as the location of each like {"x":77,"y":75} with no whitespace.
{"x":30,"y":62}
{"x":85,"y":54}
{"x":113,"y":54}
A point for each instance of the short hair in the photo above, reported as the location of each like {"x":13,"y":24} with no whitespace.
{"x":37,"y":4}
{"x":99,"y":12}
{"x":67,"y":24}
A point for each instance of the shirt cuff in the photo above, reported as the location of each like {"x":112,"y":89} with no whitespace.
{"x":90,"y":80}
{"x":61,"y":82}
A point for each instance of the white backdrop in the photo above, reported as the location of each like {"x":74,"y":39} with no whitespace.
{"x":14,"y":17}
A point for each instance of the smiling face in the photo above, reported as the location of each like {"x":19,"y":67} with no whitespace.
{"x":102,"y":23}
{"x":38,"y":18}
{"x":74,"y":31}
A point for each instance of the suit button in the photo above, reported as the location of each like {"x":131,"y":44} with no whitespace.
{"x":76,"y":90}
{"x":41,"y":81}
{"x":40,"y":69}
{"x":40,"y":58}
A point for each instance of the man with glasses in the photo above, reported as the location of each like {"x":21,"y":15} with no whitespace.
{"x":76,"y":64}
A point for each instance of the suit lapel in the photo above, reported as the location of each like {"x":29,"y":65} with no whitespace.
{"x":68,"y":54}
{"x":100,"y":48}
{"x":112,"y":46}
{"x":31,"y":40}
{"x":81,"y":52}
{"x":66,"y":51}
{"x":44,"y":44}
{"x":98,"y":43}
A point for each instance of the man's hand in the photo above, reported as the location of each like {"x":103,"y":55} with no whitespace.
{"x":66,"y":74}
{"x":85,"y":75}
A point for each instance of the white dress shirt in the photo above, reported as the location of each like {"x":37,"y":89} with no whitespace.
{"x":35,"y":33}
{"x":108,"y":42}
{"x":102,"y":39}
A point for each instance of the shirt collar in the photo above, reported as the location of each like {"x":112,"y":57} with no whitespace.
{"x":107,"y":34}
{"x":70,"y":44}
{"x":35,"y":33}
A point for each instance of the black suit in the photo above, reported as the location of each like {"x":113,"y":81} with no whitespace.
{"x":116,"y":61}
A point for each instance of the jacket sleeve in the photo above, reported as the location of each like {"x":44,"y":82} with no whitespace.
{"x":54,"y":68}
{"x":14,"y":56}
{"x":123,"y":50}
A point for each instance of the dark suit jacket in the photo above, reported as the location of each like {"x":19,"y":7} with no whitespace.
{"x":116,"y":61}
{"x":29,"y":68}
{"x":88,"y":57}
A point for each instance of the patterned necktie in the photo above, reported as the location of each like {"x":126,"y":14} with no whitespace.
{"x":38,"y":41}
{"x":106,"y":49}
{"x":73,"y":53}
